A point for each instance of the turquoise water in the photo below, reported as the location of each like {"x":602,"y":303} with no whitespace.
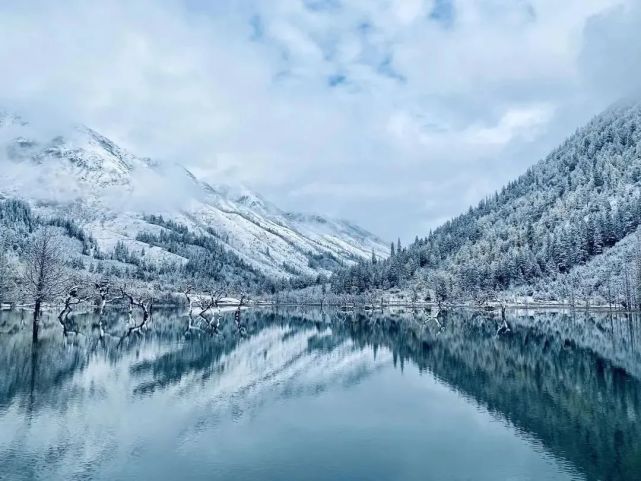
{"x":306,"y":395}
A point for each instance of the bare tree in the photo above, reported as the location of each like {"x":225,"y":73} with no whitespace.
{"x":483,"y":296}
{"x":190,"y":312}
{"x":205,"y":305}
{"x":216,"y":295}
{"x":103,"y":288}
{"x":102,"y":295}
{"x":504,"y":327}
{"x":72,"y":298}
{"x":45,"y":277}
{"x":242,"y":301}
{"x":370,"y":300}
{"x":145,"y":304}
{"x":323,"y":296}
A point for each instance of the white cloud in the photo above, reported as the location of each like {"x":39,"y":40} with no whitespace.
{"x":407,"y":11}
{"x":611,"y":56}
{"x":515,"y":122}
{"x":345,"y":191}
{"x":289,"y":96}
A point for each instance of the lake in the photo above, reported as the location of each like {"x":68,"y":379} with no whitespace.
{"x":311,"y":395}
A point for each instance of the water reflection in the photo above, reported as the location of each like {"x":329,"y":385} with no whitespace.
{"x":566,"y":382}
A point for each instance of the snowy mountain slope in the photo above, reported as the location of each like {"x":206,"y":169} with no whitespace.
{"x":550,"y":224}
{"x":111,"y":193}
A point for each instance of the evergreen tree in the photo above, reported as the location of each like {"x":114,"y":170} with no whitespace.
{"x":560,"y":215}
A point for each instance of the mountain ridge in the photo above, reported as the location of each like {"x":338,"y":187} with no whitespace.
{"x":111,"y":191}
{"x":541,"y":233}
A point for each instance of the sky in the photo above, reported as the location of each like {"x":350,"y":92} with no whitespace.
{"x":395,"y":114}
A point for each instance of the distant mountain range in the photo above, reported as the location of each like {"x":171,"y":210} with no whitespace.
{"x":566,"y":228}
{"x":139,"y":206}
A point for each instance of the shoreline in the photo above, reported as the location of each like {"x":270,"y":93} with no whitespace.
{"x":427,"y":305}
{"x":378,"y":307}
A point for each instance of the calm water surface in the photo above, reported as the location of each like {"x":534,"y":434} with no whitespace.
{"x":307,"y":395}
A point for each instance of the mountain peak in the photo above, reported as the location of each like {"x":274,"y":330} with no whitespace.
{"x":84,"y":165}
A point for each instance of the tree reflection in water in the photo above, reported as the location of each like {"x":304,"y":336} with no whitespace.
{"x":569,"y":381}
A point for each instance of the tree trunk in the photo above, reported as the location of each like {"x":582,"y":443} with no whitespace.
{"x":36,"y":321}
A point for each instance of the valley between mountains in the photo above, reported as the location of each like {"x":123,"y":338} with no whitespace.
{"x":566,"y":231}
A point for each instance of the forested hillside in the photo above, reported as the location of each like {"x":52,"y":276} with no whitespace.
{"x":132,"y":219}
{"x":554,"y":221}
{"x":122,"y":200}
{"x":195,"y":259}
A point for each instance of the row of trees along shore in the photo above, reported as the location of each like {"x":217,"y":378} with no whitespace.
{"x":612,"y":279}
{"x":46,"y":280}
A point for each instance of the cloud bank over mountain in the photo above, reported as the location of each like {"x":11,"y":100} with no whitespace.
{"x":395,"y":113}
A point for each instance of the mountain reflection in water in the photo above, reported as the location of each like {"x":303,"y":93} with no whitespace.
{"x":321,"y":395}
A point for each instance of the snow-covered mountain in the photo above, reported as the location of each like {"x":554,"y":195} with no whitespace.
{"x":567,"y":228}
{"x":115,"y":196}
